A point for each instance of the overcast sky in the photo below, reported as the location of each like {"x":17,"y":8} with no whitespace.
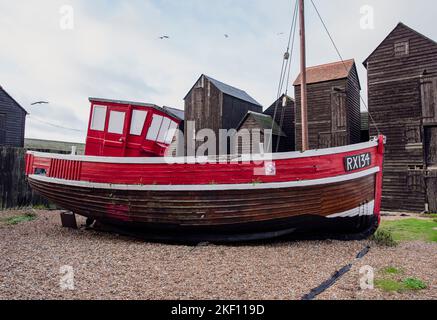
{"x":114,"y":50}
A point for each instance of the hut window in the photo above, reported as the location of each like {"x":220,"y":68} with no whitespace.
{"x":98,"y":118}
{"x":116,"y":122}
{"x":412,"y":134}
{"x":154,"y":128}
{"x":402,"y":48}
{"x":137,"y":123}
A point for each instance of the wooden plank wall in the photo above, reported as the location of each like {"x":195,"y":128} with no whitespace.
{"x":395,"y":102}
{"x":14,"y":189}
{"x":319,"y":113}
{"x":14,"y":121}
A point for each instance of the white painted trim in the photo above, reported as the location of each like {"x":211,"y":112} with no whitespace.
{"x":203,"y":187}
{"x":364,"y":210}
{"x":203,"y":160}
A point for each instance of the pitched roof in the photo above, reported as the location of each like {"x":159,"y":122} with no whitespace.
{"x":327,"y":72}
{"x":229,"y":90}
{"x":15,"y":101}
{"x":265,"y":122}
{"x":399,"y":25}
{"x":177,"y":112}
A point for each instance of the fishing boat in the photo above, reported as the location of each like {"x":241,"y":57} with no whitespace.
{"x":330,"y":191}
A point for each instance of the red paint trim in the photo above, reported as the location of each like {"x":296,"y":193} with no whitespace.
{"x":294,"y":169}
{"x":379,"y":176}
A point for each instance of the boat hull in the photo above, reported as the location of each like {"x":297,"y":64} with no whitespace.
{"x":332,"y":191}
{"x":345,"y":207}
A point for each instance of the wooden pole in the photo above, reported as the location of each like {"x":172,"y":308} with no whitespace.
{"x":303,"y":87}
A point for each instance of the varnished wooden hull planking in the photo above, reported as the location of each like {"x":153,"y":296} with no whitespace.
{"x":243,"y":211}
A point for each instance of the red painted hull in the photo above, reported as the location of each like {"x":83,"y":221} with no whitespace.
{"x":317,"y":191}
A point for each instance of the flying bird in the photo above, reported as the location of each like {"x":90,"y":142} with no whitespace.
{"x":280,"y":34}
{"x":164,"y":37}
{"x":226,"y":36}
{"x":39,"y":102}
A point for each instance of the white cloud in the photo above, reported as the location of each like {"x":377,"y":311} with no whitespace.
{"x":114,"y":51}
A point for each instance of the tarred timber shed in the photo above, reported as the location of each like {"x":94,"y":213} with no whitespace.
{"x":333,"y":105}
{"x":129,"y":129}
{"x":212,"y":104}
{"x":402,"y":81}
{"x":285,"y":118}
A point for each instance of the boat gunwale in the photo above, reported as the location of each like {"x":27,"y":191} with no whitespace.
{"x":207,"y":160}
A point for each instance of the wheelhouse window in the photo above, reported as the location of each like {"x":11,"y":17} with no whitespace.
{"x":402,"y":48}
{"x":137,"y":123}
{"x":152,"y":135}
{"x":98,"y":118}
{"x":171,"y":132}
{"x":116,"y":122}
{"x":164,"y":130}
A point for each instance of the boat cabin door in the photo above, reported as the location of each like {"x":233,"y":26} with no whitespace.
{"x":114,"y":144}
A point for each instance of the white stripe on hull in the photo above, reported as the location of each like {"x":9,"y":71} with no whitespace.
{"x":218,"y":187}
{"x":363,"y":210}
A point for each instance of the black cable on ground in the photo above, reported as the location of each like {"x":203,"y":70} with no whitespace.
{"x":335,"y":277}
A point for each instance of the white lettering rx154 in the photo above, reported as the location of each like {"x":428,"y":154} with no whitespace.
{"x":218,"y":310}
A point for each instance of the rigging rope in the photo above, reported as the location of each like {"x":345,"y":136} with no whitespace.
{"x":32,"y":117}
{"x":344,"y":64}
{"x":287,"y":83}
{"x":285,"y":69}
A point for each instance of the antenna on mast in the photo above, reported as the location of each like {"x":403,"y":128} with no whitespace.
{"x":303,"y":78}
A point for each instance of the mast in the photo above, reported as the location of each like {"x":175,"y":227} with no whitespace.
{"x":303,"y":87}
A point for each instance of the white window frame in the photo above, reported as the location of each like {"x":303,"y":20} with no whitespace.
{"x":137,"y":122}
{"x":100,"y":125}
{"x":116,"y":122}
{"x":154,"y":128}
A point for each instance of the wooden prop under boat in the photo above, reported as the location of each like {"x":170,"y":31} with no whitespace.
{"x":334,"y":190}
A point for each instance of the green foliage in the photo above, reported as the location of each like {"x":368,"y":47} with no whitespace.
{"x":389,"y":285}
{"x":414,"y":284}
{"x":411,"y":229}
{"x":392,"y":270}
{"x":28,"y":216}
{"x":391,"y":281}
{"x":384,"y":238}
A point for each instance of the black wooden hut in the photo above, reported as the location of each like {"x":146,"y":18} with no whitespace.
{"x":258,"y":133}
{"x":214,"y":105}
{"x":333,"y":105}
{"x":285,"y":118}
{"x":402,"y":81}
{"x":12,"y":121}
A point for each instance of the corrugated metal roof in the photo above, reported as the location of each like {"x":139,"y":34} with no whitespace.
{"x":327,"y":72}
{"x":232,"y":91}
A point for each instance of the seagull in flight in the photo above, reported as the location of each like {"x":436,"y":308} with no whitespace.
{"x":226,"y":36}
{"x":164,"y":37}
{"x":39,"y":102}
